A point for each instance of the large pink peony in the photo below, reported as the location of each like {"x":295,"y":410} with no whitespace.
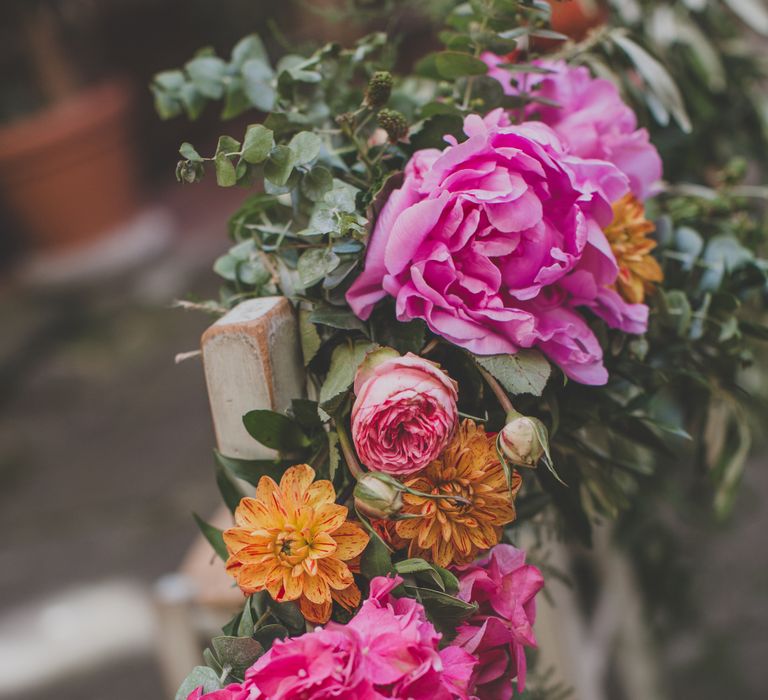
{"x":592,"y":120}
{"x":505,"y":587}
{"x":388,"y":650}
{"x":404,"y":412}
{"x":496,"y":242}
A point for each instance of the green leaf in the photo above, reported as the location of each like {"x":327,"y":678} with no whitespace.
{"x":207,"y":75}
{"x":317,"y":183}
{"x":431,"y":132}
{"x":336,"y":317}
{"x":305,"y":147}
{"x":275,"y":430}
{"x":267,"y":634}
{"x":247,"y":620}
{"x":456,"y":64}
{"x":230,"y":490}
{"x":258,"y":143}
{"x":201,"y":676}
{"x":225,"y":171}
{"x":525,"y":372}
{"x":279,"y":165}
{"x":310,"y":338}
{"x":239,"y":653}
{"x":187,"y":150}
{"x":288,"y":613}
{"x":251,"y":470}
{"x":444,"y":610}
{"x":315,"y":264}
{"x":657,"y":79}
{"x":235,"y":100}
{"x":420,"y":566}
{"x":345,"y":359}
{"x":334,"y":454}
{"x":213,"y":535}
{"x":376,"y":559}
{"x":249,"y":47}
{"x":257,"y":84}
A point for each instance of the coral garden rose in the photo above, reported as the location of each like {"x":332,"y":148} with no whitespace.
{"x":388,"y":650}
{"x":404,"y":412}
{"x":504,"y":587}
{"x":591,"y":118}
{"x":496,"y":242}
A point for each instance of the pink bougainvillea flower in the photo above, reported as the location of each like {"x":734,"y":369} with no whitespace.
{"x":592,"y":120}
{"x":404,"y":412}
{"x":388,"y":650}
{"x":504,"y":587}
{"x":496,"y":243}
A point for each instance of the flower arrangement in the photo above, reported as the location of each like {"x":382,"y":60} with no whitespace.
{"x":488,"y":274}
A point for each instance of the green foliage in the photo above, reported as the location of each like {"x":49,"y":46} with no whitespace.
{"x":213,"y":535}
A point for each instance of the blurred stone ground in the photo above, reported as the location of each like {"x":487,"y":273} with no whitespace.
{"x":104,"y":453}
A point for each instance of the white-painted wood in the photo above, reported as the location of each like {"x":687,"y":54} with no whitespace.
{"x":252,"y":360}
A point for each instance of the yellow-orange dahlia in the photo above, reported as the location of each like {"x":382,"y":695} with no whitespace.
{"x":628,"y":236}
{"x":446,"y":531}
{"x":294,"y":541}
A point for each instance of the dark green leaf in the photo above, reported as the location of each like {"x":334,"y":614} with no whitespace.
{"x":267,"y":635}
{"x":279,"y":166}
{"x":275,"y":430}
{"x":336,"y":317}
{"x":230,"y":490}
{"x":213,"y":535}
{"x":376,"y":559}
{"x":456,"y":64}
{"x":239,"y":653}
{"x":345,"y":360}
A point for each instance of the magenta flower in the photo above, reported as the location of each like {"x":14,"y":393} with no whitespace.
{"x":404,"y":412}
{"x":234,"y":691}
{"x":496,"y":242}
{"x":504,"y":587}
{"x":388,"y":650}
{"x":592,"y":120}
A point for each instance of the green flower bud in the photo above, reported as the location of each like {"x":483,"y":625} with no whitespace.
{"x":379,"y":89}
{"x":394,"y":123}
{"x":378,"y":496}
{"x":520,"y":441}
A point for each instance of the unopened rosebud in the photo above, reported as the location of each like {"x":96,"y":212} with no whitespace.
{"x":520,"y":441}
{"x":378,"y":496}
{"x":379,"y":89}
{"x":394,"y":123}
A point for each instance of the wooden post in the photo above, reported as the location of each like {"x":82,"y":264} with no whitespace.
{"x":252,"y":360}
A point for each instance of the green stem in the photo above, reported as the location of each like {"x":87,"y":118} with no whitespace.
{"x":498,"y":391}
{"x":348,"y":451}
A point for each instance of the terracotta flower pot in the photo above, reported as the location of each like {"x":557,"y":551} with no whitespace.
{"x":68,"y":174}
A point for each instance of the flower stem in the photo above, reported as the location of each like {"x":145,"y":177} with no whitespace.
{"x":348,"y":451}
{"x":498,"y":391}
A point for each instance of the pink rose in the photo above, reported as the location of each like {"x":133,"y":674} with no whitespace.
{"x":504,"y":587}
{"x":592,"y":120}
{"x":496,"y":242}
{"x":234,"y":691}
{"x":404,"y":412}
{"x":388,"y":650}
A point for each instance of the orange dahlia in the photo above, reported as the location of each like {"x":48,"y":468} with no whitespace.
{"x":451,"y":532}
{"x":628,"y":236}
{"x":294,"y":541}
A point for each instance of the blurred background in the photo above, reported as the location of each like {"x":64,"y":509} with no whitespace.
{"x":105,"y":440}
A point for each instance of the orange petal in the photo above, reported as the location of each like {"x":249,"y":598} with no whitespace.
{"x":268,"y":493}
{"x":408,"y":529}
{"x":351,"y":540}
{"x":236,"y":538}
{"x":322,"y":545}
{"x":319,"y":614}
{"x":336,"y":572}
{"x":316,"y":589}
{"x":349,"y":598}
{"x":253,"y":578}
{"x":252,"y":514}
{"x":310,"y":566}
{"x":443,"y":553}
{"x":320,"y":492}
{"x":329,"y":517}
{"x":295,"y":483}
{"x":291,"y":587}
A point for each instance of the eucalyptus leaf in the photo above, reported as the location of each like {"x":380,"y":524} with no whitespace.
{"x":279,"y":166}
{"x":305,"y":146}
{"x":258,"y":143}
{"x":201,"y":677}
{"x":525,"y":372}
{"x":239,"y":653}
{"x":457,"y":64}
